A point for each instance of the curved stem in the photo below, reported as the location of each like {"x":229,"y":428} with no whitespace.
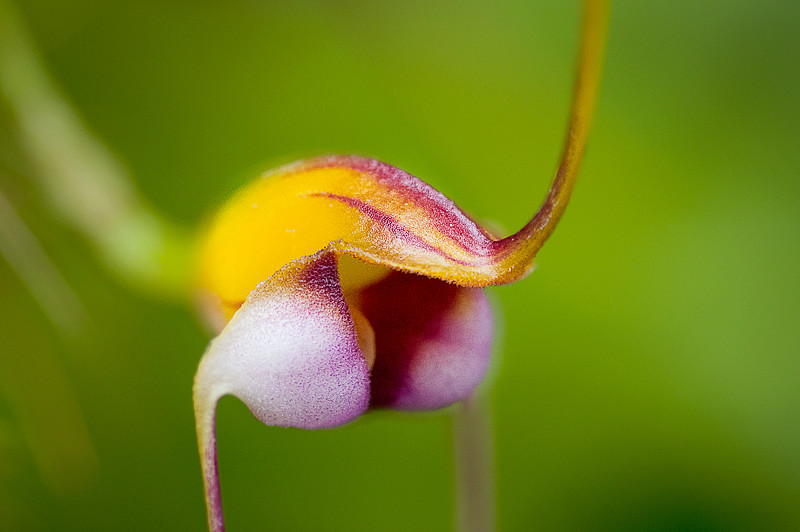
{"x":473,"y":448}
{"x":594,"y":27}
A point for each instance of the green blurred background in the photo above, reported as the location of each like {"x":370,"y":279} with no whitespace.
{"x":648,"y":373}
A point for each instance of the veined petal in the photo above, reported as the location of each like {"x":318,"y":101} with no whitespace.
{"x":433,"y":341}
{"x":291,"y":354}
{"x":362,"y":207}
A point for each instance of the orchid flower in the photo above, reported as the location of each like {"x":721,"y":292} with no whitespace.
{"x":342,"y":283}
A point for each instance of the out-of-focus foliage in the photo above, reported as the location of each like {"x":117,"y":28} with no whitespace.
{"x":650,"y":372}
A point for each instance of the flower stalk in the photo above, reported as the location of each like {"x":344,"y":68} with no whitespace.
{"x":473,"y":454}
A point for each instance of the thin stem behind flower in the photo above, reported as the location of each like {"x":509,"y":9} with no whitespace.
{"x":473,"y":449}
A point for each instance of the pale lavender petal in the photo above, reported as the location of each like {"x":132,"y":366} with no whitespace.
{"x":433,"y":341}
{"x":290,"y":354}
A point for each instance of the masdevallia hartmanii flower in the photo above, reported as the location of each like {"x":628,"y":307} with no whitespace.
{"x":346,"y":284}
{"x":342,"y":283}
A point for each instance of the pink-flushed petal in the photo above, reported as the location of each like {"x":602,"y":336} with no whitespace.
{"x":290,"y":354}
{"x":433,"y":341}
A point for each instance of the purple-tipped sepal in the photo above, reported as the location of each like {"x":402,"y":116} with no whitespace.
{"x":433,"y":341}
